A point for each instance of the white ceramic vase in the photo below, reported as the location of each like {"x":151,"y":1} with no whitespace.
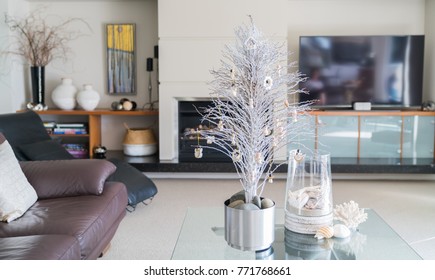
{"x":88,"y":98}
{"x":64,"y":95}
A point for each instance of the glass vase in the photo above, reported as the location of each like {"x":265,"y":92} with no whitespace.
{"x":308,"y":202}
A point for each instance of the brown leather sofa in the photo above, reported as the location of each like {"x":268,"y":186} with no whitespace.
{"x":76,"y":214}
{"x":30,"y":141}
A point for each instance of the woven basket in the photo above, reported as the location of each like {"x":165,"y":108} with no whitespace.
{"x":139,"y":136}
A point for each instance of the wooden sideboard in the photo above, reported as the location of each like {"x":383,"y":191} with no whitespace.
{"x":93,"y":119}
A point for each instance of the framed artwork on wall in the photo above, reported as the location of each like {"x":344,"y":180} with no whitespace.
{"x":121,"y":58}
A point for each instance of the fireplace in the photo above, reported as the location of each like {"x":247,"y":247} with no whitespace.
{"x":189,"y":121}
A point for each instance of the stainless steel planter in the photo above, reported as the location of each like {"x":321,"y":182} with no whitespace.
{"x":249,"y":230}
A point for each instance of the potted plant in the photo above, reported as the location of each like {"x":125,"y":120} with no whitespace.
{"x":39,"y":43}
{"x":252,"y":116}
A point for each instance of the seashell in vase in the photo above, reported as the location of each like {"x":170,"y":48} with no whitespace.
{"x":297,"y":200}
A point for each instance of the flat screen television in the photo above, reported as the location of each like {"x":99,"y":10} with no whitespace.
{"x":384,"y":70}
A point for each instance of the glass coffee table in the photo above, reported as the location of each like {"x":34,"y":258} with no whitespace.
{"x":202,"y":238}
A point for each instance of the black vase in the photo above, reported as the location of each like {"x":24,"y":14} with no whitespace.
{"x":38,"y":84}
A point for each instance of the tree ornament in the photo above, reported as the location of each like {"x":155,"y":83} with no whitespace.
{"x":251,"y":43}
{"x":253,"y":175}
{"x":234,"y":90}
{"x":198,"y":152}
{"x":233,"y":74}
{"x":237,"y":156}
{"x":251,"y":103}
{"x":299,"y":156}
{"x":210,"y":139}
{"x":221,"y":125}
{"x":268,"y":82}
{"x":258,"y":158}
{"x":286,"y":103}
{"x":275,"y":141}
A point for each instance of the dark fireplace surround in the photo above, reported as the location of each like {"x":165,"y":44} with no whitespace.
{"x":189,"y":120}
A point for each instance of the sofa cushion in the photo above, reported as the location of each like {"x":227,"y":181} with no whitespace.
{"x":16,"y":193}
{"x":60,"y":178}
{"x":45,"y":150}
{"x":22,"y":128}
{"x":88,"y":218}
{"x":40,"y":247}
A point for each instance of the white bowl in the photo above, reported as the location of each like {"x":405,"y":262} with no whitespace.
{"x":140,"y":150}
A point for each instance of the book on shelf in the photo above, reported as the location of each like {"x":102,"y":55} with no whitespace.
{"x":77,"y":128}
{"x":75,"y":131}
{"x":77,"y":150}
{"x":71,"y":125}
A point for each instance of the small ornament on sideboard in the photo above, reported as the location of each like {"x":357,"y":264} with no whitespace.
{"x":124,"y":104}
{"x":100,"y":152}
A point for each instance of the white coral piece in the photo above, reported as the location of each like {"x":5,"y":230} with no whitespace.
{"x":350,"y":214}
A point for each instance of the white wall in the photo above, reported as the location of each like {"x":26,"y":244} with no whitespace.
{"x":429,"y":69}
{"x":192,"y":35}
{"x":87,"y":65}
{"x":191,"y":41}
{"x":12,"y":88}
{"x":362,"y":17}
{"x":87,"y":62}
{"x":5,"y":82}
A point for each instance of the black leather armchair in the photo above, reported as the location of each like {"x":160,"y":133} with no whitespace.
{"x":29,"y":139}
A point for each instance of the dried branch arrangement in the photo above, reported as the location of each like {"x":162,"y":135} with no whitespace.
{"x":251,"y":111}
{"x":39,"y":42}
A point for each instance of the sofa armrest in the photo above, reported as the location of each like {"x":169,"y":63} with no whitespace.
{"x":60,"y":178}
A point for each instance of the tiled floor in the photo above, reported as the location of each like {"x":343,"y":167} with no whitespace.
{"x":151,"y":231}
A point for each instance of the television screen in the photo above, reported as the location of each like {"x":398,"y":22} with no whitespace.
{"x":384,"y":70}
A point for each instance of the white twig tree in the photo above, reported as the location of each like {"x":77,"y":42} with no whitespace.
{"x":251,"y":112}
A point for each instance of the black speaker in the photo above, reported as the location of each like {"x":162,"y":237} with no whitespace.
{"x":156,"y":51}
{"x":149,"y":64}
